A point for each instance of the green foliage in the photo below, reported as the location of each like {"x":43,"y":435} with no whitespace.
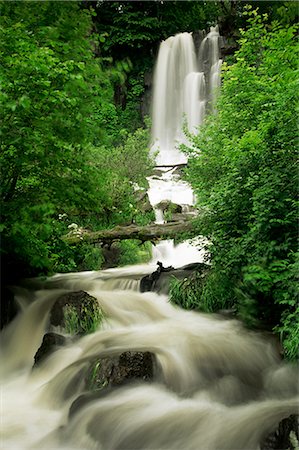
{"x":89,"y":257}
{"x":86,"y":321}
{"x":190,"y":292}
{"x":232,"y":17}
{"x":243,"y":170}
{"x":58,"y":123}
{"x":214,"y":293}
{"x":94,"y":378}
{"x":133,"y":157}
{"x":50,"y":102}
{"x":129,"y":113}
{"x":132,"y":252}
{"x":144,"y":218}
{"x":186,"y":293}
{"x":136,"y":24}
{"x":71,"y":320}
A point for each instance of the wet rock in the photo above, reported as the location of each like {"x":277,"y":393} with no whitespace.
{"x":50,"y":343}
{"x":109,"y":372}
{"x":229,"y":313}
{"x":285,"y":437}
{"x":118,"y":370}
{"x":143,"y":202}
{"x":198,"y":37}
{"x":168,"y":206}
{"x":111,"y":255}
{"x":229,"y":47}
{"x":77,"y":308}
{"x":8,"y":307}
{"x":159,"y":281}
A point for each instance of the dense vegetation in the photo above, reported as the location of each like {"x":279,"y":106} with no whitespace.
{"x":64,"y":157}
{"x":243,"y":170}
{"x":74,"y":95}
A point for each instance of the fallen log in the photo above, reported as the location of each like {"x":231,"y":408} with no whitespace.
{"x":145,"y":233}
{"x":171,"y":166}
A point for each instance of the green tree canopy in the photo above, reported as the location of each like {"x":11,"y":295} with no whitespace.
{"x":243,"y":170}
{"x":142,"y":25}
{"x":57,"y":119}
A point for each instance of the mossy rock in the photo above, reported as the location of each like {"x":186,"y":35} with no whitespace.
{"x":167,"y":205}
{"x":118,"y":370}
{"x":112,"y":372}
{"x":77,"y":313}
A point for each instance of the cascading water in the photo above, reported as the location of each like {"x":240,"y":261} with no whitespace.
{"x":183,"y":85}
{"x":184,"y":88}
{"x":215,"y":384}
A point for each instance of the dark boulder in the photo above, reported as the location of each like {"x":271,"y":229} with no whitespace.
{"x":50,"y":343}
{"x":159,"y":281}
{"x":8,"y":307}
{"x":85,"y":308}
{"x":120,"y":369}
{"x":111,"y":254}
{"x":111,"y":372}
{"x":283,"y":438}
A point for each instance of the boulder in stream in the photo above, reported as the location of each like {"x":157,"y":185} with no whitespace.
{"x":285,"y":437}
{"x":112,"y":372}
{"x":77,"y":312}
{"x":159,"y":281}
{"x":117,"y":370}
{"x":168,"y":206}
{"x":51,"y":342}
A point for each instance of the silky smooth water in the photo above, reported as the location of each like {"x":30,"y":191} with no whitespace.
{"x":185,"y":85}
{"x":216,"y":385}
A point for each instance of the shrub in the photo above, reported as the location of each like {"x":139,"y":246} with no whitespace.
{"x":243,"y":169}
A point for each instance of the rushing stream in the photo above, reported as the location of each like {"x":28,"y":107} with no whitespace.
{"x":215,"y":385}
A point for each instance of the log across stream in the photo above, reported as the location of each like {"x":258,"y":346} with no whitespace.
{"x":152,"y":232}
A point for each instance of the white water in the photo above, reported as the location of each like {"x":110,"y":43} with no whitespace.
{"x":168,"y":186}
{"x":216,"y":385}
{"x":184,"y":84}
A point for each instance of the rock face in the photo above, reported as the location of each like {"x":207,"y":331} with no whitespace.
{"x":159,"y":281}
{"x":8,"y":308}
{"x":143,"y":201}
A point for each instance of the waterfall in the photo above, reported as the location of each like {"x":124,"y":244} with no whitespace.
{"x":185,"y":84}
{"x":185,"y":88}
